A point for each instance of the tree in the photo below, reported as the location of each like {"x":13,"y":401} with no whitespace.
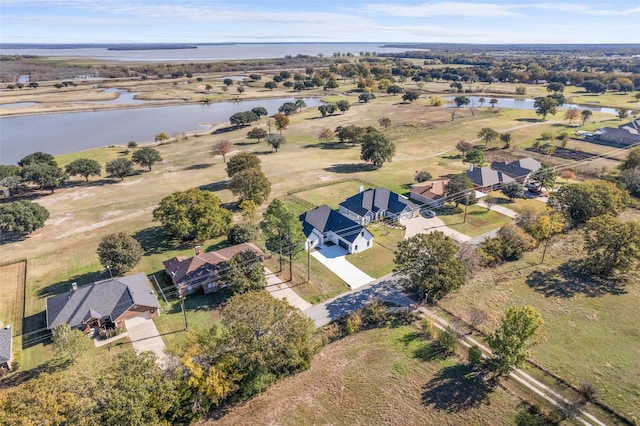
{"x":571,"y":115}
{"x":436,"y":101}
{"x":464,"y":147}
{"x":44,"y":175}
{"x":481,"y":101}
{"x":510,"y":244}
{"x":282,"y":229}
{"x":612,"y":246}
{"x":622,"y":113}
{"x":460,"y":188}
{"x":242,"y":233}
{"x":594,"y":86}
{"x":326,"y":135}
{"x":132,"y":145}
{"x":493,"y":102}
{"x":629,"y":177}
{"x":427,"y":264}
{"x":488,"y":135}
{"x":227,"y":82}
{"x":545,"y":177}
{"x":579,"y":202}
{"x":282,"y":121}
{"x":193,"y":212}
{"x":545,"y":105}
{"x":410,"y":96}
{"x":384,"y":122}
{"x":208,"y":87}
{"x":13,"y":184}
{"x":37,"y":157}
{"x":513,"y":190}
{"x":586,"y":114}
{"x":119,"y":252}
{"x":22,"y":216}
{"x":394,"y":90}
{"x":146,"y":157}
{"x":161,"y":137}
{"x":505,"y":138}
{"x":241,"y":119}
{"x":120,"y":167}
{"x":275,"y":141}
{"x":69,"y":342}
{"x":270,"y":85}
{"x":510,"y":342}
{"x":300,"y":104}
{"x":461,"y":101}
{"x":448,"y":339}
{"x":257,"y":133}
{"x":632,"y":161}
{"x":243,"y":273}
{"x":242,"y":161}
{"x":327,"y":109}
{"x":288,"y":108}
{"x":260,"y":112}
{"x":222,"y":147}
{"x":350,"y":134}
{"x":9,"y":170}
{"x":475,"y":157}
{"x":555,"y":87}
{"x":474,"y":356}
{"x":377,"y":148}
{"x":267,"y":337}
{"x":422,"y":176}
{"x":250,"y":184}
{"x":255,"y":77}
{"x":343,"y":105}
{"x":84,"y":167}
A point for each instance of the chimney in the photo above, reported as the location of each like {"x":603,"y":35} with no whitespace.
{"x":471,"y":167}
{"x":198,"y":250}
{"x":361,"y":189}
{"x":74,"y":286}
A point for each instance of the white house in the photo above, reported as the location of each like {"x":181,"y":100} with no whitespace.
{"x":375,"y":204}
{"x":323,"y":225}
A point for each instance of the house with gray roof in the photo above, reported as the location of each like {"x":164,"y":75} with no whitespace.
{"x":624,"y":135}
{"x":521,"y":170}
{"x":377,"y":204}
{"x":323,"y":225}
{"x":200,"y":272}
{"x":106,"y":303}
{"x":486,"y":179}
{"x":6,"y":352}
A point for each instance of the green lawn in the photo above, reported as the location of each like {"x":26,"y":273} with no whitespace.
{"x":331,"y":194}
{"x":479,"y":220}
{"x":376,"y":261}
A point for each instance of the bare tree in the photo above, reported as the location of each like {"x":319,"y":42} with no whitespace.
{"x":477,"y":317}
{"x":470,"y":257}
{"x":222,"y":147}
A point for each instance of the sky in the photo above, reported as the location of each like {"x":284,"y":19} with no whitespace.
{"x":211,"y":21}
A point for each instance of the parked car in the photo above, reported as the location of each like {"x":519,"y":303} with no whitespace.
{"x":429,"y":214}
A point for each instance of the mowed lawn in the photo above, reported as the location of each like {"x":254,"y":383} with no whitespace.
{"x":378,"y":377}
{"x":11,"y":283}
{"x":589,"y":335}
{"x":332,"y":194}
{"x":479,"y":220}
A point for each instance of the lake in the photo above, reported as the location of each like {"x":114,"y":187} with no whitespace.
{"x":69,"y":132}
{"x":525,"y":104}
{"x":210,"y":52}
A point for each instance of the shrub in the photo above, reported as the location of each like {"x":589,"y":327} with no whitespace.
{"x":374,"y":313}
{"x":422,"y":176}
{"x":568,"y":174}
{"x":353,"y":324}
{"x":474,"y":356}
{"x":448,"y":339}
{"x":427,"y":329}
{"x":546,"y":136}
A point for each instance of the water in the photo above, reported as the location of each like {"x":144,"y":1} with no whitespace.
{"x":70,"y":132}
{"x":18,"y":104}
{"x":216,"y":52}
{"x":525,"y":104}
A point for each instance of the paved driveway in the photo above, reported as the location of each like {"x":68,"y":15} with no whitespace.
{"x":144,"y":336}
{"x":333,"y":257}
{"x":385,"y":288}
{"x":422,"y":225}
{"x":282,"y":291}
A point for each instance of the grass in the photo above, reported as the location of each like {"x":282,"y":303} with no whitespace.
{"x":378,"y":260}
{"x":591,"y":332}
{"x":331,"y":194}
{"x":380,"y":376}
{"x":479,"y":221}
{"x":11,"y":283}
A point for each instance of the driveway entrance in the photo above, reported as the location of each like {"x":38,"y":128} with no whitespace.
{"x":333,"y":257}
{"x":144,"y":336}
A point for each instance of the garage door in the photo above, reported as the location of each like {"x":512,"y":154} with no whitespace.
{"x":343,"y":244}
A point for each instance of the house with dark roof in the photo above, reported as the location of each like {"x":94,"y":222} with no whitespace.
{"x":520,"y":170}
{"x":6,"y":352}
{"x":106,"y":303}
{"x":323,"y":225}
{"x":200,"y":272}
{"x":486,"y":179}
{"x":430,"y":192}
{"x":377,"y":204}
{"x":623,"y":135}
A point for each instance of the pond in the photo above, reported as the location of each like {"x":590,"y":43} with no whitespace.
{"x":70,"y":132}
{"x":524,"y":104}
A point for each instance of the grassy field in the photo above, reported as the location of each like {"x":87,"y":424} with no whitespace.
{"x":591,"y":330}
{"x":382,"y":376}
{"x":479,"y":220}
{"x":12,"y":278}
{"x":331,"y":194}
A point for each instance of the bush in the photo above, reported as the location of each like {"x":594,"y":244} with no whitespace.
{"x":353,"y":324}
{"x":239,"y":234}
{"x":474,"y":356}
{"x":448,"y":340}
{"x":422,"y":176}
{"x":375,"y":313}
{"x":509,"y":245}
{"x":427,"y":329}
{"x":546,"y":136}
{"x":568,"y":174}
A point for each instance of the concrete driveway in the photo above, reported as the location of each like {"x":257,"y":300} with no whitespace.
{"x":422,"y":225}
{"x":333,"y":257}
{"x":281,"y":290}
{"x":144,"y":336}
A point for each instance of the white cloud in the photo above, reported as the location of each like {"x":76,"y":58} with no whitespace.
{"x":581,"y":8}
{"x":478,"y":10}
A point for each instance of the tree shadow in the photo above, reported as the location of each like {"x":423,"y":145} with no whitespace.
{"x":528,"y":120}
{"x":246,"y":143}
{"x":567,"y":280}
{"x":457,"y":388}
{"x":264,"y":152}
{"x":203,"y":302}
{"x":50,"y":366}
{"x":217,"y":246}
{"x":215,"y":186}
{"x":328,"y":145}
{"x":429,"y":352}
{"x":154,"y":240}
{"x":199,"y":166}
{"x":224,"y":130}
{"x":34,"y":330}
{"x":12,"y":237}
{"x":80,"y":279}
{"x":351,"y":168}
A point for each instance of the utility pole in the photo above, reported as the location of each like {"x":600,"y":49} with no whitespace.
{"x":308,"y":264}
{"x":466,"y":204}
{"x":184,"y":314}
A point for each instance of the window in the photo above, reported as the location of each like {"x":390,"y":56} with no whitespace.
{"x":368,"y":243}
{"x":362,"y":234}
{"x":356,"y":248}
